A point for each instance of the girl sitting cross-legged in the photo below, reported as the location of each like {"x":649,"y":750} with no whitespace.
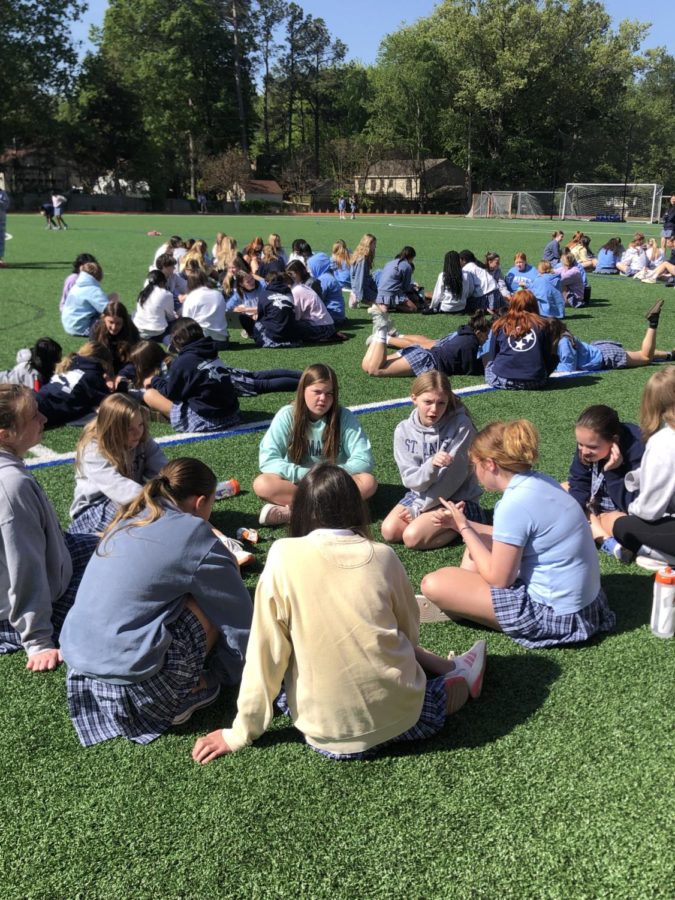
{"x":336,"y":631}
{"x":431,"y":449}
{"x":315,"y":428}
{"x":534,"y":574}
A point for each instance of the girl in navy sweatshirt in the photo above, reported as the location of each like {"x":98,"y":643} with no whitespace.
{"x":197,"y":394}
{"x":81,"y":381}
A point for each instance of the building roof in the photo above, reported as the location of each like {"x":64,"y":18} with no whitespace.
{"x":261,"y":186}
{"x":400,"y":168}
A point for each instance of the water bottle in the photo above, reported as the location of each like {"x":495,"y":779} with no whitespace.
{"x":227,"y":489}
{"x":663,"y":607}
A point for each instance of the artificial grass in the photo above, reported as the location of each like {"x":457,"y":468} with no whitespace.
{"x":557,"y":783}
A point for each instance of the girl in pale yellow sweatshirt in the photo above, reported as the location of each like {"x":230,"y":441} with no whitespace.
{"x":336,"y":629}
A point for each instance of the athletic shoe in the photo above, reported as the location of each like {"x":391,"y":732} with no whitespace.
{"x":613,"y":548}
{"x":429,"y":612}
{"x":273,"y":514}
{"x":195,"y":701}
{"x":243,"y":557}
{"x":381,"y":320}
{"x":371,"y":338}
{"x":471,"y":666}
{"x":670,"y":282}
{"x":655,"y":309}
{"x":393,"y":332}
{"x":653,"y":560}
{"x":244,"y":334}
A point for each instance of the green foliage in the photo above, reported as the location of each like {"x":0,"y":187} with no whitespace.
{"x":37,"y":58}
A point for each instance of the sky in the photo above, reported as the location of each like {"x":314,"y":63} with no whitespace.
{"x":362,"y":26}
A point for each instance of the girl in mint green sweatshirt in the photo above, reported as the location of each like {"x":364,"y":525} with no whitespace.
{"x":315,"y":428}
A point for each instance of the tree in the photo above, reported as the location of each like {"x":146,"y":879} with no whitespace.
{"x":38,"y":59}
{"x":227,"y":174}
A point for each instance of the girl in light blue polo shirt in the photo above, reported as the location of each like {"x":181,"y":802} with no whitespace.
{"x":534,"y":574}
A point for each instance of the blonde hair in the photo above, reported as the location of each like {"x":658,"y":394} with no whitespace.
{"x":226,"y":252}
{"x":110,"y":431}
{"x":16,"y":401}
{"x":514,"y":446}
{"x":274,"y":240}
{"x":544,"y":267}
{"x":340,"y":253}
{"x":179,"y":480}
{"x":658,"y":402}
{"x":365,"y":249}
{"x":433,"y":380}
{"x":92,"y":350}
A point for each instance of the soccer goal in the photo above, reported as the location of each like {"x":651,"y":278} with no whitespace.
{"x":612,"y":202}
{"x":515,"y":205}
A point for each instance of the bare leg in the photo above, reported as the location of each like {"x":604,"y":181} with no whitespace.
{"x":422,"y":534}
{"x":274,"y":489}
{"x":431,"y":662}
{"x":409,"y":340}
{"x":376,"y":362}
{"x":645,"y":355}
{"x":157,"y":401}
{"x":462,"y":594}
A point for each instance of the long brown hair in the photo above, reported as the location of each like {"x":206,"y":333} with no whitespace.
{"x":521,"y":316}
{"x":110,"y":430}
{"x":327,"y":497}
{"x":299,"y":443}
{"x":16,"y":400}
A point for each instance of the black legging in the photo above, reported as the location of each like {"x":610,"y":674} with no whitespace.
{"x":632,"y":532}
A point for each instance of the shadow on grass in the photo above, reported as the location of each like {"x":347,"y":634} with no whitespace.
{"x":630,"y":596}
{"x":515,"y":688}
{"x":385,"y":499}
{"x":42,"y":265}
{"x":562,"y":384}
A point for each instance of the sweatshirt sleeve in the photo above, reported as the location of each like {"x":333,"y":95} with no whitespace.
{"x":267,"y":657}
{"x":655,"y":481}
{"x":24,"y":549}
{"x":416,"y":475}
{"x":155,"y":459}
{"x":356,"y":449}
{"x":567,"y":357}
{"x":438,"y":292}
{"x":105,"y":477}
{"x":273,"y":451}
{"x":357,"y":275}
{"x":579,"y":480}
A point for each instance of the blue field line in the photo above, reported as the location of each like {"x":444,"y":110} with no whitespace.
{"x":170,"y":440}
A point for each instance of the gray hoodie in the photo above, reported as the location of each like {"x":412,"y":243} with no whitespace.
{"x":415,"y":445}
{"x":35,"y":566}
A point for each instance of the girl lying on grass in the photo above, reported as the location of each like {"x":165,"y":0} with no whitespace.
{"x":455,"y":354}
{"x":315,"y":428}
{"x":577,"y":355}
{"x":533,"y":575}
{"x":159,"y":595}
{"x":431,"y":449}
{"x":81,"y":382}
{"x":40,"y":567}
{"x":336,"y":629}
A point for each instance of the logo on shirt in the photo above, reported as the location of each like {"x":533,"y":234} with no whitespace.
{"x":214,"y":368}
{"x":523,"y":343}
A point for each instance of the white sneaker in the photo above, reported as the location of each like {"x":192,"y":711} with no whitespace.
{"x":273,"y":514}
{"x":243,"y":557}
{"x":471,"y":666}
{"x":653,"y":563}
{"x":429,"y":612}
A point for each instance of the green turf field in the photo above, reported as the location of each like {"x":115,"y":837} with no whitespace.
{"x":557,"y":783}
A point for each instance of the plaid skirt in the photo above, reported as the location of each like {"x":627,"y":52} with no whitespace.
{"x":536,"y":625}
{"x":419,"y":359}
{"x":472,"y":510}
{"x":431,"y":720}
{"x":95,"y":518}
{"x":512,"y":384}
{"x":184,"y":419}
{"x":142,"y":711}
{"x":613,"y":354}
{"x":81,"y":548}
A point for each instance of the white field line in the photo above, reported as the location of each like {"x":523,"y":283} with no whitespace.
{"x":43,"y":457}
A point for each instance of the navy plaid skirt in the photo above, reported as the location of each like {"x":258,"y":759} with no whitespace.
{"x":536,"y":625}
{"x":80,"y":547}
{"x":431,"y":720}
{"x":143,"y":711}
{"x":512,"y":384}
{"x":184,"y":419}
{"x":419,"y":359}
{"x":95,"y":518}
{"x":613,"y":354}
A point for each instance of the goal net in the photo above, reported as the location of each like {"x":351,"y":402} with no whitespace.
{"x":515,"y":204}
{"x":612,"y":202}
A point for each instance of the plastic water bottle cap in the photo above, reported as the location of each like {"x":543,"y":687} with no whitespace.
{"x":666,"y":575}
